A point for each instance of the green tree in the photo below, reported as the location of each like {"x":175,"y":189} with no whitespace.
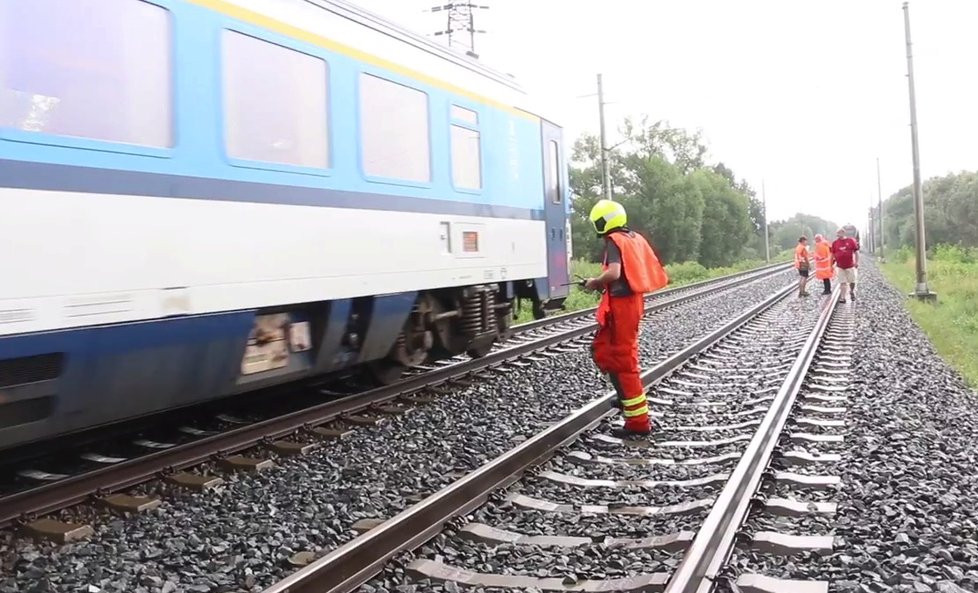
{"x":785,"y":233}
{"x":689,"y":210}
{"x":755,"y":244}
{"x":669,"y":209}
{"x":950,"y":212}
{"x":726,"y":224}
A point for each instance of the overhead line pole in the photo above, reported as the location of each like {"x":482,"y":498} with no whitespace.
{"x":767,"y":245}
{"x":922,"y":291}
{"x":879,"y":194}
{"x":869,"y":228}
{"x":605,"y":165}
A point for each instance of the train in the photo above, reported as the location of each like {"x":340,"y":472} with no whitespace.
{"x":851,"y":231}
{"x":203,"y":198}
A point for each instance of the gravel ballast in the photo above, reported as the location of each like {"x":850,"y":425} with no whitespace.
{"x":242,"y":536}
{"x":776,"y":339}
{"x":908,"y":514}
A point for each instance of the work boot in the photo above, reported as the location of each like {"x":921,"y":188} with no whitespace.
{"x":637,"y":426}
{"x":624,"y":432}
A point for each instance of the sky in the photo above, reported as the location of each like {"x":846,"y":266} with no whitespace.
{"x":802,"y":96}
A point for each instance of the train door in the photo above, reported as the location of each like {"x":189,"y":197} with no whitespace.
{"x":555,"y":210}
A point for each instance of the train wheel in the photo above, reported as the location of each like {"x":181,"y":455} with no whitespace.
{"x":479,"y":351}
{"x":481,"y":346}
{"x":385,"y":372}
{"x":538,"y":311}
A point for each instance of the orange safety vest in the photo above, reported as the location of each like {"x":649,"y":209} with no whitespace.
{"x":823,"y":260}
{"x":801,"y":257}
{"x":640,"y":266}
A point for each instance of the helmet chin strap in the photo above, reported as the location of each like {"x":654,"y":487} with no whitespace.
{"x":623,"y":228}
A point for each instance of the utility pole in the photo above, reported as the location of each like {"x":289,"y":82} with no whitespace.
{"x":605,"y":165}
{"x":872,"y":229}
{"x":922,"y":291}
{"x":879,"y":210}
{"x":767,"y":246}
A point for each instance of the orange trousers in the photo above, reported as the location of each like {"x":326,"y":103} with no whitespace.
{"x":615,"y":352}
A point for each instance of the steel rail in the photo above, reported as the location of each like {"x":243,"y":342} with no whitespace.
{"x":714,"y":542}
{"x":113,"y":478}
{"x":719,"y":282}
{"x":347,"y":567}
{"x":84,"y":437}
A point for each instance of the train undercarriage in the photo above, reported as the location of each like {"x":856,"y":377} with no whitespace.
{"x":448,"y":322}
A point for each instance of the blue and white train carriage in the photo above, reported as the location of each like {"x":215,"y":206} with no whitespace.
{"x":204,"y":197}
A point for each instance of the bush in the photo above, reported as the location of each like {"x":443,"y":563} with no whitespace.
{"x":901,"y":256}
{"x":954,"y":254}
{"x":786,"y":255}
{"x":686,"y":273}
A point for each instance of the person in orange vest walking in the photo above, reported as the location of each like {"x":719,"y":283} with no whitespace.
{"x":630,"y":270}
{"x":802,"y":265}
{"x":823,"y":263}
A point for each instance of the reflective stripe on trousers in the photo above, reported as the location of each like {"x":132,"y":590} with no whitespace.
{"x":635,"y":406}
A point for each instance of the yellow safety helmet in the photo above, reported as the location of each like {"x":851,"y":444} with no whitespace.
{"x":607,"y":216}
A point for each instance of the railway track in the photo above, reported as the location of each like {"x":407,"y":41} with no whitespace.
{"x":739,"y":410}
{"x":719,"y":282}
{"x":233,"y":440}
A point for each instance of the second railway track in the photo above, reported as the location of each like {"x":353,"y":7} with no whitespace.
{"x":572,"y":509}
{"x":296,"y":431}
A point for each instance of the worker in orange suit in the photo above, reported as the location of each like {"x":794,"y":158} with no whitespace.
{"x":630,"y":270}
{"x":802,"y":265}
{"x":823,"y":263}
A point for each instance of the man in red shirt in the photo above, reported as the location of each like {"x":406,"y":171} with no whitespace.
{"x":845,"y":254}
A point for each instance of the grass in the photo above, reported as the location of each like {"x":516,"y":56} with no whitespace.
{"x":679,"y":274}
{"x":951,"y":324}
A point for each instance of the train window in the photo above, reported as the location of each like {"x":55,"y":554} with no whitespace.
{"x":96,"y":69}
{"x":553,"y":163}
{"x":466,"y":158}
{"x":394,"y":130}
{"x":465,"y":115}
{"x":466,"y":148}
{"x":275,"y":103}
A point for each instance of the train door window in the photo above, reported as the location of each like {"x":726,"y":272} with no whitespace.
{"x":394,"y":130}
{"x":466,"y":149}
{"x":463,"y":115}
{"x":275,"y":103}
{"x":94,"y":69}
{"x":553,"y":164}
